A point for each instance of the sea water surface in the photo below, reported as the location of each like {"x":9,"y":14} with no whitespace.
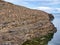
{"x":56,"y":38}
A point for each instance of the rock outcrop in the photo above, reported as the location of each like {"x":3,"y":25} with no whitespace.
{"x":19,"y":24}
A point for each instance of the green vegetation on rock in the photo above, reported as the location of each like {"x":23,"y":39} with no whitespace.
{"x":39,"y":41}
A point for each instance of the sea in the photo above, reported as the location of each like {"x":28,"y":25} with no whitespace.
{"x":56,"y":37}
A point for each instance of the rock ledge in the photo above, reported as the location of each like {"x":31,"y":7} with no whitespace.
{"x":19,"y":24}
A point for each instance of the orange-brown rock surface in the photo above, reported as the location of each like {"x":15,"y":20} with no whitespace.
{"x":19,"y":24}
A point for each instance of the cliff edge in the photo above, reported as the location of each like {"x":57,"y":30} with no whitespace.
{"x":19,"y":24}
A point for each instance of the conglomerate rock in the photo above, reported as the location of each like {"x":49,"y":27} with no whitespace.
{"x":19,"y":24}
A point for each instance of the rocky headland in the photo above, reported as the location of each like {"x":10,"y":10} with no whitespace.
{"x":19,"y":24}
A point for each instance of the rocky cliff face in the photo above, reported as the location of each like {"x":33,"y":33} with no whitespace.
{"x":19,"y":24}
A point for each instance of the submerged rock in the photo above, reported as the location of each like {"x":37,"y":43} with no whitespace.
{"x":19,"y":24}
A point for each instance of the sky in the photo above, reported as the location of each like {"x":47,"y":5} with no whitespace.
{"x":50,"y":6}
